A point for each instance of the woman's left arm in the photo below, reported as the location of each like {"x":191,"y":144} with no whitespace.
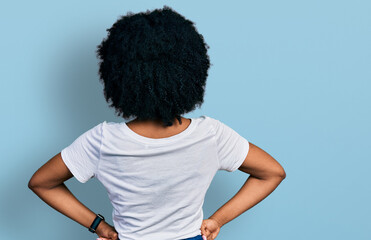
{"x":48,"y":183}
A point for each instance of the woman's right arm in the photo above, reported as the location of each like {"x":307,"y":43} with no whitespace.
{"x":265,"y":175}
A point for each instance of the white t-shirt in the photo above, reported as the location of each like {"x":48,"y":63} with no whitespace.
{"x":156,"y":186}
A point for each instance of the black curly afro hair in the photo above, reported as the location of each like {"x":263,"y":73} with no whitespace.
{"x":153,"y":66}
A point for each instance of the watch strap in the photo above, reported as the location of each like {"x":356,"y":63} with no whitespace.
{"x":94,"y":225}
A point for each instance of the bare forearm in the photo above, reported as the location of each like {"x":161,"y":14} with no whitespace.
{"x":251,"y":193}
{"x":61,"y":199}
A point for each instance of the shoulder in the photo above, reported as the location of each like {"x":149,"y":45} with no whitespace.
{"x":219,"y":128}
{"x":210,"y":120}
{"x":92,"y":131}
{"x":207,"y":118}
{"x":210,"y":123}
{"x":110,"y":125}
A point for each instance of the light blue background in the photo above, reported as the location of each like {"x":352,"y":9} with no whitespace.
{"x":292,"y":77}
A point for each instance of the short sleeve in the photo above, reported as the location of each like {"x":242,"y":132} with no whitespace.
{"x":82,"y":155}
{"x":232,"y":148}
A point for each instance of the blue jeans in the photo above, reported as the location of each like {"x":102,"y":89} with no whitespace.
{"x":198,"y":237}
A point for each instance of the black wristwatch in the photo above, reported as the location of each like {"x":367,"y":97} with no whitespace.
{"x":95,"y":223}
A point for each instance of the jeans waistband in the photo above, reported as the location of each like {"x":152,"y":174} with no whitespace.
{"x":198,"y":237}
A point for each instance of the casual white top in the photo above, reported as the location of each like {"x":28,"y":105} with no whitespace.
{"x":156,"y":185}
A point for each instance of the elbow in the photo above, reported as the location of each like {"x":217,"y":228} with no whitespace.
{"x":30,"y":184}
{"x":34,"y":181}
{"x":281,"y":173}
{"x":278,"y":173}
{"x":275,"y":174}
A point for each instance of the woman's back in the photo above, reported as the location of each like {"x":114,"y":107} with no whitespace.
{"x":156,"y":185}
{"x":154,"y":66}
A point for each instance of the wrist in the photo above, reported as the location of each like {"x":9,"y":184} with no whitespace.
{"x":218,"y":221}
{"x":99,"y":219}
{"x":100,"y":228}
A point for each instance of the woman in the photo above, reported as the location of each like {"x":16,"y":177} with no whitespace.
{"x":157,"y":167}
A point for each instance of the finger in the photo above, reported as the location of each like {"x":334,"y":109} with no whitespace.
{"x":214,"y":234}
{"x":204,"y":230}
{"x":114,"y":236}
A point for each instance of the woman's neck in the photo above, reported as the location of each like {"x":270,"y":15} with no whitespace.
{"x":156,"y":129}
